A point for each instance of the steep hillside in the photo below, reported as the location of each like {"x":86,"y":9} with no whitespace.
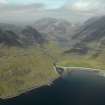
{"x":88,"y":49}
{"x":56,"y":30}
{"x":90,"y":37}
{"x":23,"y":69}
{"x":25,"y":60}
{"x":12,"y":35}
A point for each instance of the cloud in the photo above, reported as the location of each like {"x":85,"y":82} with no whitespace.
{"x":3,"y":1}
{"x":74,"y":10}
{"x":26,"y":14}
{"x":87,"y":6}
{"x":49,"y":4}
{"x":20,"y":8}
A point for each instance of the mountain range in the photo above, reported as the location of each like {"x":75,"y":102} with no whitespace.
{"x":90,"y":37}
{"x":56,"y":30}
{"x":79,"y":38}
{"x":47,"y":29}
{"x":28,"y":52}
{"x":12,"y":35}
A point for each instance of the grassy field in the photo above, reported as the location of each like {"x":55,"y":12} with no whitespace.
{"x":22,"y":69}
{"x":84,"y":61}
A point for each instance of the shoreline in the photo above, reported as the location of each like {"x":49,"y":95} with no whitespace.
{"x":66,"y":70}
{"x":100,"y":72}
{"x":4,"y":98}
{"x":16,"y":95}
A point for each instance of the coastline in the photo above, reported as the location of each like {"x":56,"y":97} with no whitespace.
{"x":16,"y":95}
{"x":23,"y":92}
{"x":66,"y":70}
{"x":100,"y":72}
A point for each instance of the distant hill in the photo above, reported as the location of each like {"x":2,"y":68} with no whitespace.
{"x":47,"y":29}
{"x":13,"y":35}
{"x":56,"y":30}
{"x":90,"y":37}
{"x":23,"y":68}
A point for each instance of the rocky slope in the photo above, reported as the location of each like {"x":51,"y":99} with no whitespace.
{"x":90,"y":37}
{"x":56,"y":30}
{"x":12,"y":35}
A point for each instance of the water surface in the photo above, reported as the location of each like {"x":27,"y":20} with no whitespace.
{"x":75,"y":88}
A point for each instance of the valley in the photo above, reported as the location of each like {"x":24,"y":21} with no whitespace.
{"x":27,"y":53}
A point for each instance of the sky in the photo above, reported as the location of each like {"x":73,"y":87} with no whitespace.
{"x":48,"y":3}
{"x":27,"y":10}
{"x":92,"y":6}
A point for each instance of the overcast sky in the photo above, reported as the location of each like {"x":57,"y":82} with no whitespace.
{"x":81,"y":5}
{"x":17,"y":9}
